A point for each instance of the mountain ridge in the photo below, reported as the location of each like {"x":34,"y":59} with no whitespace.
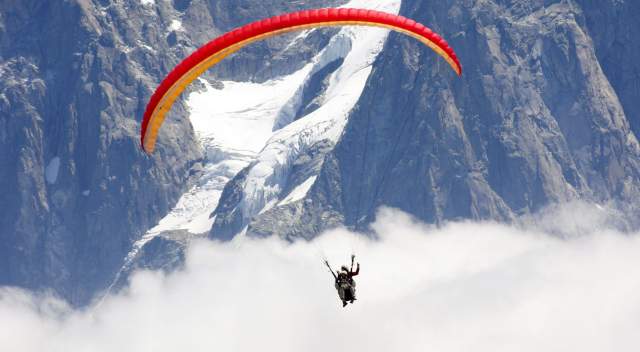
{"x":546,"y":112}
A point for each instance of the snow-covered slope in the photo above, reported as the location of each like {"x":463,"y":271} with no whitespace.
{"x":233,"y":124}
{"x":255,"y":126}
{"x":267,"y":178}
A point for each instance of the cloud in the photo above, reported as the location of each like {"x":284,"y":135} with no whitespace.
{"x":465,"y":286}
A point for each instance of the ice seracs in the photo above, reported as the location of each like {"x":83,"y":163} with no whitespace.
{"x":247,"y":123}
{"x":175,"y":25}
{"x":358,"y":46}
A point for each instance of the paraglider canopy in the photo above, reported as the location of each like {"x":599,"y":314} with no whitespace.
{"x":216,"y":50}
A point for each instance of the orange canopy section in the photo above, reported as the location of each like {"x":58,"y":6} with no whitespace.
{"x":216,"y":50}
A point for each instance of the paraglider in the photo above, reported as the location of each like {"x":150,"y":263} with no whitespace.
{"x":344,"y":282}
{"x":216,"y":50}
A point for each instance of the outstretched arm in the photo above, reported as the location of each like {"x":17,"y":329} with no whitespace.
{"x":354,"y":273}
{"x":353,"y":257}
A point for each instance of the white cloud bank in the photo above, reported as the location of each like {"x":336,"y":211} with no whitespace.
{"x":464,"y":287}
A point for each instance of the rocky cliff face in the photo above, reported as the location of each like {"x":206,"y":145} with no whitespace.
{"x":613,"y":27}
{"x":543,"y":113}
{"x":533,"y":120}
{"x":75,"y":189}
{"x":546,"y":111}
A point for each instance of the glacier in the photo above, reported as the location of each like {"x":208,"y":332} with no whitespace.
{"x":235,"y":125}
{"x":268,"y":174}
{"x":253,"y":125}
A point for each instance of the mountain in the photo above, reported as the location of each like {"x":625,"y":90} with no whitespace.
{"x":264,"y":140}
{"x":77,"y":191}
{"x":535,"y":119}
{"x":301,"y":133}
